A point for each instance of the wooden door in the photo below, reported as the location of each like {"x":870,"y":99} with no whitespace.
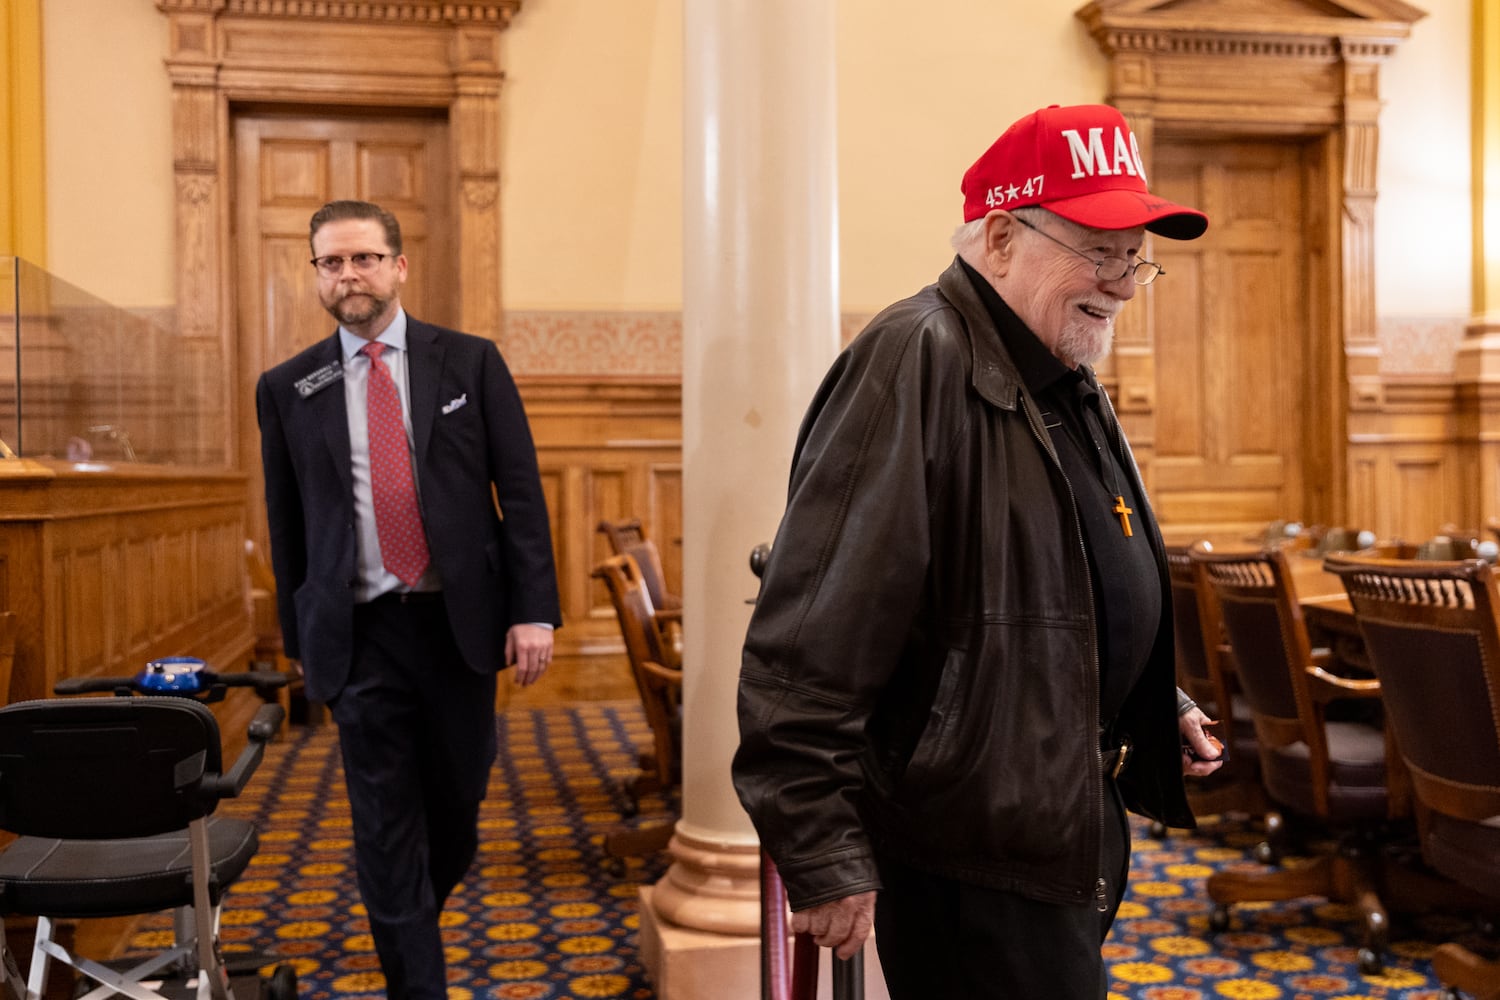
{"x":288,"y":166}
{"x":1231,"y":339}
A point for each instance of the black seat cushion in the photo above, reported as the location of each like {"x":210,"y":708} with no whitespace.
{"x":40,"y":876}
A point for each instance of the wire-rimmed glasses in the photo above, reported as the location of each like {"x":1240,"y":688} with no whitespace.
{"x":1142,"y":272}
{"x":332,"y":265}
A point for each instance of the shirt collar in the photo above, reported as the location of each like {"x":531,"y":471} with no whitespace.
{"x":393,"y":336}
{"x":1040,"y":369}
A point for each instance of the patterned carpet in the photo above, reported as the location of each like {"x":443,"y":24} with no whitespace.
{"x":541,"y":919}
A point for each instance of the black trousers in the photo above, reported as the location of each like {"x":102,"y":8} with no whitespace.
{"x":417,"y":733}
{"x":939,"y":938}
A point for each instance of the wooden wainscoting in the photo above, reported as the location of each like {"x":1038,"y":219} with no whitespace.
{"x":609,"y":447}
{"x":1406,"y":467}
{"x":106,"y":568}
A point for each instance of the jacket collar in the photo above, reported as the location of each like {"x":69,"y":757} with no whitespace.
{"x":995,"y":377}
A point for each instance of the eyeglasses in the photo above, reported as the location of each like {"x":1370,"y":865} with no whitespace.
{"x":333,"y":266}
{"x":1143,"y":272}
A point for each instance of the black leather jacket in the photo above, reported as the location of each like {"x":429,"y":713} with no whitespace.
{"x":920,"y":672}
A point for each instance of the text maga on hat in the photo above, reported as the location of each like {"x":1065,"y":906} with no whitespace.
{"x":1083,"y":163}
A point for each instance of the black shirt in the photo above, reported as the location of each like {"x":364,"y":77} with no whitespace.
{"x":1123,"y":569}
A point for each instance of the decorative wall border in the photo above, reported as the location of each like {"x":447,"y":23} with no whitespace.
{"x":1419,"y":345}
{"x":633,"y":344}
{"x":610,"y":344}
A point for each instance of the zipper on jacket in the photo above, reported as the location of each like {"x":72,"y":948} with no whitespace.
{"x":1097,"y":808}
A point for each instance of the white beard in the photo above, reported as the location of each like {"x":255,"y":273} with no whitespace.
{"x":1082,"y":345}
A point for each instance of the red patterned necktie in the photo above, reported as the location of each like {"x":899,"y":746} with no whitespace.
{"x":398,"y":521}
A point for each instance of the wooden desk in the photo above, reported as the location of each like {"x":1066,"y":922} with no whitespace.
{"x":107,"y":567}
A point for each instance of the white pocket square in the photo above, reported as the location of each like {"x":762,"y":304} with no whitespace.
{"x":454,"y":404}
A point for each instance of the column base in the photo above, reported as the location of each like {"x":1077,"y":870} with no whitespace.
{"x":685,"y":964}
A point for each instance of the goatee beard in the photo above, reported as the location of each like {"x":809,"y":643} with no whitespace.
{"x":1080,"y":347}
{"x":349,"y":314}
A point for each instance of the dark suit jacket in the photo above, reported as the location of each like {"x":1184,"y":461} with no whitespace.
{"x":471,"y":434}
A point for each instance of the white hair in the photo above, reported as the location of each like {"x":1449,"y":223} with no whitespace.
{"x":968,"y":239}
{"x":969,"y":232}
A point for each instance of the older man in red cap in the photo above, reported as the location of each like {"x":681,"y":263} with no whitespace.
{"x":959,"y":673}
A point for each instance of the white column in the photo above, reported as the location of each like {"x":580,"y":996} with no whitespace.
{"x":760,"y":327}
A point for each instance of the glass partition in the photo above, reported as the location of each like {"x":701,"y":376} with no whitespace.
{"x":87,"y":382}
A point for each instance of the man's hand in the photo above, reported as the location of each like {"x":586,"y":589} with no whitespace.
{"x":841,"y":924}
{"x":529,"y":648}
{"x":1190,"y":724}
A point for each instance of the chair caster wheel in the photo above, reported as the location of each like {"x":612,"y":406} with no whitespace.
{"x":1266,"y":854}
{"x":282,"y":984}
{"x":1218,"y":920}
{"x":1158,"y":830}
{"x":1370,"y":963}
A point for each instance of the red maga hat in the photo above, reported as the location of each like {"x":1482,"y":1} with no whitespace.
{"x":1080,"y":162}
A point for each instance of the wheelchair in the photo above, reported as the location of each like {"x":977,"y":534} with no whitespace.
{"x":112,"y":801}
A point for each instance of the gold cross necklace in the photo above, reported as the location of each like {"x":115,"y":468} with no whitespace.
{"x":1124,"y":512}
{"x":1108,"y":469}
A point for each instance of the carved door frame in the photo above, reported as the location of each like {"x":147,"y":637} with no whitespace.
{"x":1306,"y":70}
{"x":398,"y":54}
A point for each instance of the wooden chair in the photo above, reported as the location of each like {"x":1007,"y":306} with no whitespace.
{"x":1205,"y":671}
{"x":1344,"y":539}
{"x":628,"y":537}
{"x":1390,"y":548}
{"x":1447,"y":547}
{"x":268,"y":648}
{"x":1329,"y":771}
{"x":1280,"y":533}
{"x":1432,"y":633}
{"x":657,"y":672}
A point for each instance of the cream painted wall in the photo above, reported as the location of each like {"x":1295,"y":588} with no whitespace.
{"x":592,"y":163}
{"x":1423,"y":219}
{"x":923,"y":92}
{"x":593,"y":140}
{"x":591,"y":156}
{"x":110,"y":226}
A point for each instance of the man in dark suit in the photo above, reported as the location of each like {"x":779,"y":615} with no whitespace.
{"x":402,"y":590}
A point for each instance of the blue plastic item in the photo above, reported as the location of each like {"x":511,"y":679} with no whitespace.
{"x":172,"y":675}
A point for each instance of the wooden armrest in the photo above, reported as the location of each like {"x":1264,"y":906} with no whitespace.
{"x":667,"y":674}
{"x":1326,"y":686}
{"x":669,"y":615}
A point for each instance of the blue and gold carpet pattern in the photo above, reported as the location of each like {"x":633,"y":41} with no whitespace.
{"x":542,"y":918}
{"x":538,"y":918}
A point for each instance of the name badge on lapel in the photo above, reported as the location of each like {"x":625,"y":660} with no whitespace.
{"x":320,"y":379}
